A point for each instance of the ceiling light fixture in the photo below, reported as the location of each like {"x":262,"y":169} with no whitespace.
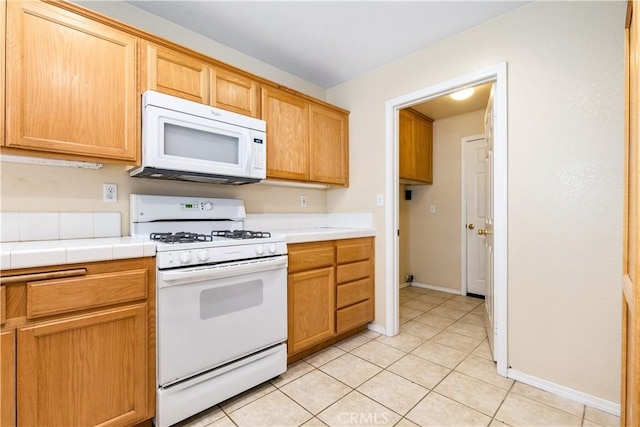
{"x":462,"y":94}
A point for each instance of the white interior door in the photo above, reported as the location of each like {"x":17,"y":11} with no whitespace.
{"x":487,"y":231}
{"x":475,"y":209}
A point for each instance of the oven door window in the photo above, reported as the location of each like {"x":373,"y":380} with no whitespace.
{"x":230,"y":299}
{"x":199,"y":144}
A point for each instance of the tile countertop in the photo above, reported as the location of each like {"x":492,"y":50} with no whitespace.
{"x":316,"y":234}
{"x":56,"y":252}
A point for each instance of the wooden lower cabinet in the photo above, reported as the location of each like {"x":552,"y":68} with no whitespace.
{"x":330,"y":292}
{"x":8,"y":378}
{"x":88,"y":370}
{"x":82,"y":337}
{"x":311,"y":308}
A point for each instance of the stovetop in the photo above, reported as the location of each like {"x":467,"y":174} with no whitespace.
{"x":217,"y":235}
{"x":192,"y":231}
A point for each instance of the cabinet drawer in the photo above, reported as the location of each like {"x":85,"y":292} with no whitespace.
{"x":353,"y":250}
{"x":354,"y":271}
{"x":351,"y":293}
{"x":354,"y":316}
{"x":310,"y":257}
{"x":3,"y":304}
{"x":49,"y":297}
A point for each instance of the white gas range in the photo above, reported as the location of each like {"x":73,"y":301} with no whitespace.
{"x":221,"y":301}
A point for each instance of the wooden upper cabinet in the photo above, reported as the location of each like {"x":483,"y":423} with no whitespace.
{"x":233,"y":92}
{"x":189,"y":77}
{"x":287,"y":120}
{"x":423,"y":150}
{"x":176,"y":74}
{"x":306,"y":141}
{"x":328,"y":146}
{"x":71,"y":85}
{"x":3,"y":20}
{"x":415,"y":147}
{"x":406,"y":142}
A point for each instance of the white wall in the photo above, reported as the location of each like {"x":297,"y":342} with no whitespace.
{"x":565,"y":164}
{"x":434,"y":240}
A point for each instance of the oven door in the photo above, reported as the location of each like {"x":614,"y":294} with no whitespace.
{"x":208,"y":316}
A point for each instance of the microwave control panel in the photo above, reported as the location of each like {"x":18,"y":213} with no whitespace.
{"x":259,"y":153}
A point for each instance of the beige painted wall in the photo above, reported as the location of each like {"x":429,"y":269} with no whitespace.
{"x":434,"y":240}
{"x":39,"y":188}
{"x":565,"y":163}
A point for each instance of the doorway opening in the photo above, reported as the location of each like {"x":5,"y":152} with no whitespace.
{"x":498,"y":75}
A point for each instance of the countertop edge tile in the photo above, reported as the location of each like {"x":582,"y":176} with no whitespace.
{"x":16,"y":255}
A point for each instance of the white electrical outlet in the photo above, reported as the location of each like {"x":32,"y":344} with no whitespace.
{"x":303,"y":201}
{"x":432,"y":209}
{"x":379,"y":200}
{"x":110,"y":193}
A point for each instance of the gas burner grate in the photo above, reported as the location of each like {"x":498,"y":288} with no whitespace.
{"x":241,"y":234}
{"x":180,"y":237}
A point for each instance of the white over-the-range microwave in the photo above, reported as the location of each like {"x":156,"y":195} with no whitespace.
{"x":188,"y":141}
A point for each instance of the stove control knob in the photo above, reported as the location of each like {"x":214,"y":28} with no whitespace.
{"x":185,"y":257}
{"x":208,"y":206}
{"x":259,"y":249}
{"x":203,"y":255}
{"x":272,"y":248}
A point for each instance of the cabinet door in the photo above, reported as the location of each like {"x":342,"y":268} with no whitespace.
{"x":8,"y":378}
{"x":287,"y":120}
{"x":85,"y":370}
{"x":71,"y":84}
{"x":3,"y":20}
{"x":176,"y":74}
{"x":234,"y":92}
{"x":423,"y":150}
{"x":328,"y":146}
{"x":311,"y":308}
{"x":406,"y":142}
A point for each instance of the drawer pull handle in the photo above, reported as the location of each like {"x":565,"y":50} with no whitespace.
{"x":42,"y":276}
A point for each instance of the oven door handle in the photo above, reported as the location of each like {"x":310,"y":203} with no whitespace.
{"x":181,"y":277}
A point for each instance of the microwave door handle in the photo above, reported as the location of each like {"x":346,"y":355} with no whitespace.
{"x":173,"y":278}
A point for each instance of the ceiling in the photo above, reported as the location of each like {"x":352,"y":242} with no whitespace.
{"x":444,"y":106}
{"x":327,"y":42}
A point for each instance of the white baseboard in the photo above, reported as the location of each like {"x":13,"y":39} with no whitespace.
{"x":377,"y":328}
{"x":403,"y":285}
{"x":436,"y":288}
{"x":569,"y":393}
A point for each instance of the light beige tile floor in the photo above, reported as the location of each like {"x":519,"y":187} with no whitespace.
{"x":436,"y":372}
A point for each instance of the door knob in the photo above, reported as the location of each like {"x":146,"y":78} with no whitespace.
{"x":471,"y":226}
{"x":484,"y":232}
